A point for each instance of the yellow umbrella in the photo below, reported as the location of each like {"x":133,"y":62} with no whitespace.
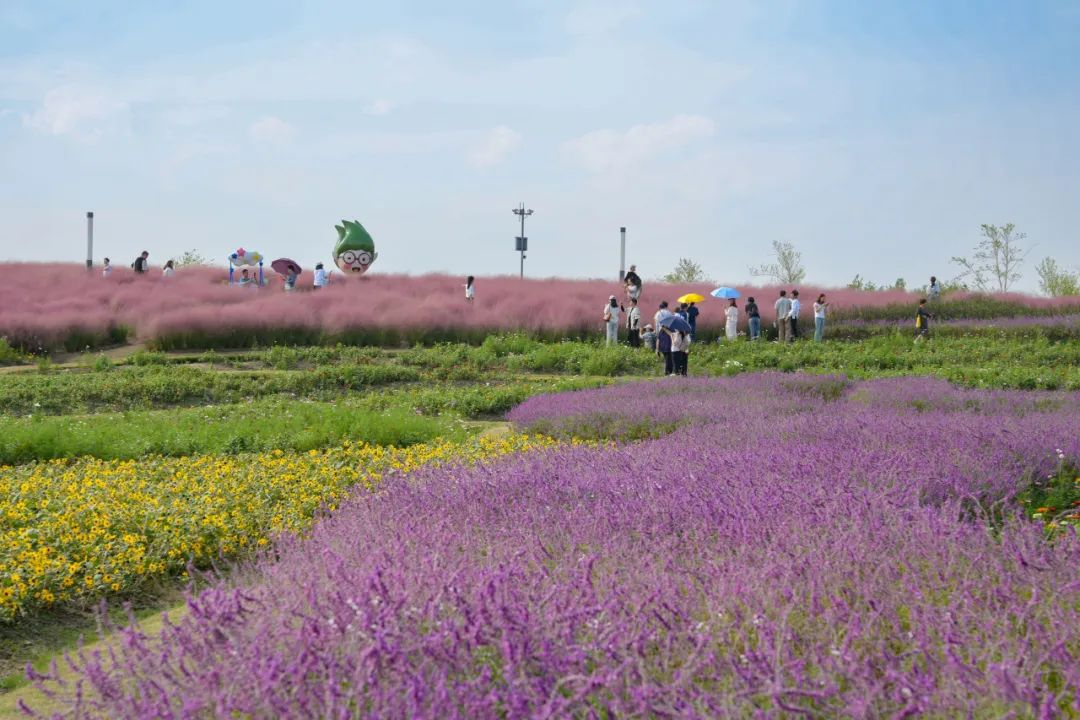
{"x":691,"y":298}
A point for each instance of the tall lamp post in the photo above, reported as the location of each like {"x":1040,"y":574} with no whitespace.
{"x":521,"y":243}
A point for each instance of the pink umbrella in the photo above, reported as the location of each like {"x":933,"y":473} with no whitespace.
{"x":285,"y":266}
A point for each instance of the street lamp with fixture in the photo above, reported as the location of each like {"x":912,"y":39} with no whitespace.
{"x":521,"y":243}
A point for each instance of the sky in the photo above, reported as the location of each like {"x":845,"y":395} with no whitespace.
{"x":876,"y":137}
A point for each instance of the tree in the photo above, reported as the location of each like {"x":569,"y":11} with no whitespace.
{"x":1055,"y":281}
{"x":788,"y":268}
{"x":191,"y":257}
{"x":686,"y":271}
{"x":900,"y":284}
{"x":995,"y":265}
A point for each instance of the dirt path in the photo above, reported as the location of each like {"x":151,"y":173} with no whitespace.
{"x":9,"y":701}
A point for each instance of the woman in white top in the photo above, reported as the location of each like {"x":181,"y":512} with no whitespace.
{"x":819,"y":318}
{"x":470,"y":289}
{"x":611,"y":318}
{"x":731,"y":329}
{"x":321,"y":278}
{"x":106,"y":270}
{"x":169,"y":270}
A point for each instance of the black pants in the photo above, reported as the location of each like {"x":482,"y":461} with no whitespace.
{"x":633,"y":337}
{"x":680,"y":361}
{"x":793,"y":329}
{"x":669,"y":368}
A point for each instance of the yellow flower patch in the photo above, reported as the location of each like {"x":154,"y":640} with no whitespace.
{"x":74,"y":530}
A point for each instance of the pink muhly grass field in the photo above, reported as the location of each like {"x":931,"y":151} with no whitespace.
{"x":44,"y":305}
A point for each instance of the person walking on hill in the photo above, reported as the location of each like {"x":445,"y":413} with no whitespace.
{"x":141,"y":263}
{"x":753,"y":318}
{"x":922,"y":322}
{"x":819,"y":318}
{"x":169,"y":270}
{"x":611,"y":319}
{"x":633,"y":324}
{"x":106,"y":269}
{"x":321,"y":277}
{"x":783,"y":309}
{"x":470,"y":289}
{"x":731,"y":326}
{"x":934,"y":293}
{"x":793,"y":316}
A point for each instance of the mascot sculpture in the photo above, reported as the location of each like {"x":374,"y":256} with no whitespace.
{"x":355,"y":250}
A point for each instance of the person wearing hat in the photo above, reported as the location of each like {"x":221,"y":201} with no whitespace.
{"x":648,"y":336}
{"x":611,"y":318}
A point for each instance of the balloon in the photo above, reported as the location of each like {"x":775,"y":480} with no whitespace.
{"x":355,"y":250}
{"x":243,"y":257}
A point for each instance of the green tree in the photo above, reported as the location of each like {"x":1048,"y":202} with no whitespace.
{"x":190,"y":257}
{"x":1057,"y":281}
{"x":686,"y":271}
{"x":788,"y":268}
{"x":995,"y":264}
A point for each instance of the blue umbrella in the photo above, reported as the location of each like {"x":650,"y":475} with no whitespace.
{"x":725,"y":293}
{"x":675,"y":323}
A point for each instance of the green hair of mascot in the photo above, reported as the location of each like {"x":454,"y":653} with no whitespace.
{"x":355,"y":250}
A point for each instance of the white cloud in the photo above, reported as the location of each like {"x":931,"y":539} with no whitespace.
{"x":499,"y":143}
{"x":271,"y":131}
{"x":382,"y":106}
{"x":600,"y":17}
{"x":78,"y":111}
{"x":606,"y":150}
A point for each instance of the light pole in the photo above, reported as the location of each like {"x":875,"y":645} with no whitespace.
{"x":89,"y":240}
{"x":521,"y":243}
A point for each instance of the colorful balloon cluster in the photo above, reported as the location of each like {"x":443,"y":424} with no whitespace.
{"x":245,"y":257}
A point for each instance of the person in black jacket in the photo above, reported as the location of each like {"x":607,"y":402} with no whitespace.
{"x":632,"y":281}
{"x":140,"y":265}
{"x":753,"y":318}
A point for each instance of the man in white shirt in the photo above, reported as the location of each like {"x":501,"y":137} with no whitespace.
{"x":321,"y":277}
{"x":633,"y":324}
{"x":783,"y":309}
{"x":793,"y":316}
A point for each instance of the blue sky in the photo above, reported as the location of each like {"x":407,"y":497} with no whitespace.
{"x":874,"y":136}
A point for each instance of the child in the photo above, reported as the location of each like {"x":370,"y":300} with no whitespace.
{"x":922,"y":322}
{"x":470,"y":289}
{"x":649,"y":338}
{"x":245,"y":277}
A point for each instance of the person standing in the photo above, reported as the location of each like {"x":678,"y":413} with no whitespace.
{"x":632,"y":281}
{"x":922,"y":322}
{"x":141,"y":263}
{"x":692,"y":312}
{"x":611,"y":319}
{"x":819,"y":318}
{"x":793,"y":317}
{"x":661,"y":313}
{"x":753,"y":318}
{"x":681,"y":312}
{"x":663,"y":348}
{"x":783,"y":309}
{"x":169,"y":270}
{"x":935,"y":290}
{"x":680,"y":352}
{"x":106,"y":269}
{"x":321,"y":277}
{"x":470,"y":289}
{"x":731,"y":327}
{"x":633,"y":324}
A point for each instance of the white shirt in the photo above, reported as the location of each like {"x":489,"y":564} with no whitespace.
{"x":819,"y":310}
{"x":167,"y":272}
{"x":470,"y":292}
{"x":612,"y":314}
{"x":321,"y":277}
{"x":660,"y":316}
{"x":633,"y":318}
{"x":106,"y":271}
{"x":796,"y":306}
{"x":732,"y":314}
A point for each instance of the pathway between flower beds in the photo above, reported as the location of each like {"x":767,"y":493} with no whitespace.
{"x":797,"y":545}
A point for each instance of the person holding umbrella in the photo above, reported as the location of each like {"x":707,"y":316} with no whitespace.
{"x":731,"y":328}
{"x":689,"y":302}
{"x":289,"y":269}
{"x":675,"y":340}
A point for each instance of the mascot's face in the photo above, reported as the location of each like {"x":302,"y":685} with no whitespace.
{"x":355,"y":250}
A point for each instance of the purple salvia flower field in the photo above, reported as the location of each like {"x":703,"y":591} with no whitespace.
{"x":794,"y":546}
